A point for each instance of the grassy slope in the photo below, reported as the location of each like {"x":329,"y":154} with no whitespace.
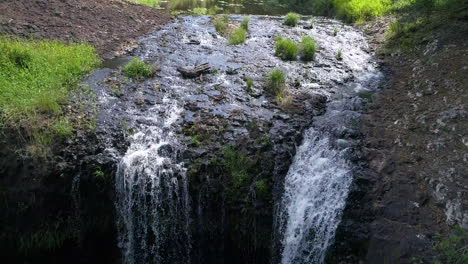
{"x":36,"y":78}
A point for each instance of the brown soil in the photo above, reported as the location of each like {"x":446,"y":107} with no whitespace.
{"x":110,"y":25}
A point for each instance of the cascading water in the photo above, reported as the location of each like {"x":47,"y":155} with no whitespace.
{"x":317,"y":184}
{"x":315,"y":192}
{"x":152,"y":193}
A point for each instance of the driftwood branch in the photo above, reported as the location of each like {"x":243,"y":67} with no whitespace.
{"x":195,"y":71}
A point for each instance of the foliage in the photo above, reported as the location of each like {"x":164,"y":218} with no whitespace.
{"x":453,"y":249}
{"x":245,"y":23}
{"x":308,"y":48}
{"x":262,"y":189}
{"x":361,"y":10}
{"x":286,"y":48}
{"x":151,"y":3}
{"x":221,"y":24}
{"x":240,"y":169}
{"x":276,"y":83}
{"x":200,"y":11}
{"x":137,"y":69}
{"x":36,"y":80}
{"x":250,"y":84}
{"x":237,"y":37}
{"x":291,"y":19}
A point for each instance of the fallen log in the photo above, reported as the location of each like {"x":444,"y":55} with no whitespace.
{"x":195,"y":71}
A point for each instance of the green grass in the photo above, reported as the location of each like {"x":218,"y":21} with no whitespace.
{"x":200,"y":11}
{"x":291,"y":19}
{"x":286,"y":48}
{"x":138,"y":69}
{"x":276,"y":83}
{"x":308,"y":48}
{"x":151,"y":3}
{"x":453,"y":249}
{"x":250,"y":85}
{"x":36,"y":79}
{"x":361,"y":10}
{"x":238,"y":36}
{"x":245,"y":23}
{"x":221,"y":24}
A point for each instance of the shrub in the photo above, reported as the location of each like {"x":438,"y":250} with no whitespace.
{"x":291,"y":19}
{"x":245,"y":23}
{"x":286,"y":49}
{"x":276,"y":83}
{"x":137,"y":69}
{"x":237,"y":37}
{"x":221,"y":23}
{"x":308,"y":48}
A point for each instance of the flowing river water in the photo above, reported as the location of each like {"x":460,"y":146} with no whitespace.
{"x":153,"y":203}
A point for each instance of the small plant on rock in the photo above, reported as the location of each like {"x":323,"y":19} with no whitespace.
{"x":308,"y":48}
{"x":291,"y":19}
{"x":250,"y":84}
{"x":221,"y":24}
{"x":237,"y":37}
{"x":339,"y":55}
{"x":286,"y":49}
{"x":137,"y":69}
{"x":245,"y":23}
{"x":276,"y":83}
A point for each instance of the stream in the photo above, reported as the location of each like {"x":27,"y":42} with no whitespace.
{"x":153,"y":199}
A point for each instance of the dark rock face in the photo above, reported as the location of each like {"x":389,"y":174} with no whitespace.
{"x":58,"y":210}
{"x":414,"y":157}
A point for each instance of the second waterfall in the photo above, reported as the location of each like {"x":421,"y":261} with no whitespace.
{"x":153,"y":204}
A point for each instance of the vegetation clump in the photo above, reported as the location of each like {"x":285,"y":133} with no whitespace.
{"x":291,"y":19}
{"x":137,"y":69}
{"x":276,"y":83}
{"x":238,"y":36}
{"x":200,"y":11}
{"x":286,"y":48}
{"x":245,"y":23}
{"x":308,"y":48}
{"x":36,"y":80}
{"x":361,"y":10}
{"x":453,"y":249}
{"x":250,"y":84}
{"x":221,"y":24}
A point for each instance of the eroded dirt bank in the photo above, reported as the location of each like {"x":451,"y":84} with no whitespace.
{"x":110,"y":25}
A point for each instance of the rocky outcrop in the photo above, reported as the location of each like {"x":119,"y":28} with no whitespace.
{"x":415,"y":151}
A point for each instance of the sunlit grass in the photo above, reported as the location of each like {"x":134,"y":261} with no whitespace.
{"x":361,"y":10}
{"x":152,"y":3}
{"x":36,"y":78}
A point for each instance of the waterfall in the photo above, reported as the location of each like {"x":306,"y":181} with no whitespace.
{"x":152,"y":194}
{"x":316,"y":188}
